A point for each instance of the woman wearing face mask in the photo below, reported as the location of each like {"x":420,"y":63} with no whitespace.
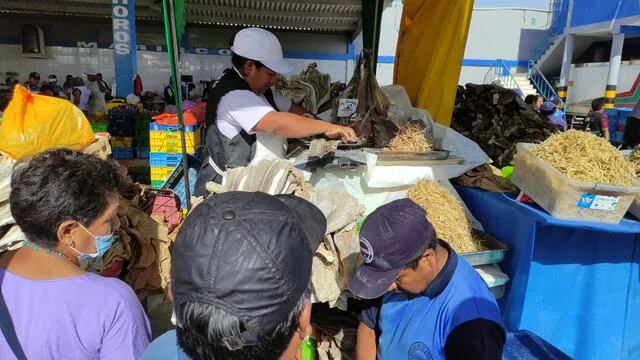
{"x":66,"y":204}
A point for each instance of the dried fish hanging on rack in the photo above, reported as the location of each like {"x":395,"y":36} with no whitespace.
{"x":364,"y":107}
{"x":311,"y":89}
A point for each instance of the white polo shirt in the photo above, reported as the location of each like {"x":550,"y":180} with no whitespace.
{"x":242,"y":109}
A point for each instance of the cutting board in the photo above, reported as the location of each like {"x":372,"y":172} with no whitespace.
{"x":390,"y":159}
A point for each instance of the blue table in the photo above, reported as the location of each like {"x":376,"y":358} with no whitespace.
{"x":575,"y":284}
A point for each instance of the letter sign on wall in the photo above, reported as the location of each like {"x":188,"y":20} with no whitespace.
{"x":124,"y":44}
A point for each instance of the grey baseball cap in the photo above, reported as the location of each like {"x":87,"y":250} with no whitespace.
{"x":248,"y":253}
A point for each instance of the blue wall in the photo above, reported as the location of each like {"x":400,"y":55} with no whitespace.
{"x":586,"y":12}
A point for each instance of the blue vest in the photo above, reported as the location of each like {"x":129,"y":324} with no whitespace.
{"x":417,"y":329}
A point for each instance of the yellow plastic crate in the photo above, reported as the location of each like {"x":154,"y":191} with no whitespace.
{"x":170,"y":142}
{"x":121,"y":142}
{"x":119,"y":102}
{"x":160,"y":173}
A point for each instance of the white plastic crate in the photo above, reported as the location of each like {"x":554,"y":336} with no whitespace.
{"x":569,"y":199}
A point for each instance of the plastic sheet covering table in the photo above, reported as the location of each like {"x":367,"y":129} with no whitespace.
{"x":575,"y":284}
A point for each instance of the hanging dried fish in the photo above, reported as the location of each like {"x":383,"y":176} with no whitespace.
{"x":367,"y":106}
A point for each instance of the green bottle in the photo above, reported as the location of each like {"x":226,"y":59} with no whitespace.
{"x":308,"y":349}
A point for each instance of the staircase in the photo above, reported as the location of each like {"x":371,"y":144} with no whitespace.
{"x":524,"y":84}
{"x":533,"y":81}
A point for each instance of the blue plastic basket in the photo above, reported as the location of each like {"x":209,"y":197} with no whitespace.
{"x":122,"y":153}
{"x":142,"y":153}
{"x":164,"y":159}
{"x":176,"y":182}
{"x":172,"y":160}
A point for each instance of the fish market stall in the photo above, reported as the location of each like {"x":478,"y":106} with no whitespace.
{"x":574,"y":252}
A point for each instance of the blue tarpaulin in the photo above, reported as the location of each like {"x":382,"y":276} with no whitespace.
{"x":575,"y":284}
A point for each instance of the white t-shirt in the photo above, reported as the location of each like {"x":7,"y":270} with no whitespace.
{"x":242,"y":109}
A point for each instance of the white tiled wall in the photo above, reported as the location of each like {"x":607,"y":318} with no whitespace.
{"x":153,"y":67}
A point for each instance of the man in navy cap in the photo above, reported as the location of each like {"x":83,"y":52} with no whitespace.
{"x":555,"y":99}
{"x":34,"y":83}
{"x":431,"y":304}
{"x":240,"y":274}
{"x":548,"y":110}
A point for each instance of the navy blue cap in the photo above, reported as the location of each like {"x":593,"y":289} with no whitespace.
{"x":391,"y":237}
{"x":555,"y":99}
{"x":250,"y":254}
{"x":548,"y":106}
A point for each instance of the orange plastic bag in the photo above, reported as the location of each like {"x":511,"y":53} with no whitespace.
{"x":34,"y":123}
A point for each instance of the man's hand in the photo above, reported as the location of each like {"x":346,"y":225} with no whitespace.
{"x":345,"y":133}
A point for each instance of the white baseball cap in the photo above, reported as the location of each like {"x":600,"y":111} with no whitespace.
{"x":261,"y":45}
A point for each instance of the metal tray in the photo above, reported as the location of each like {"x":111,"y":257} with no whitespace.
{"x":495,"y":253}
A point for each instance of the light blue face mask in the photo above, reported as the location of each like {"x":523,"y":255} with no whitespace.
{"x":103,"y":243}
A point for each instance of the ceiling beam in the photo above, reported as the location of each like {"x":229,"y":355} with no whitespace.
{"x":288,"y":2}
{"x":231,"y":10}
{"x":220,"y":20}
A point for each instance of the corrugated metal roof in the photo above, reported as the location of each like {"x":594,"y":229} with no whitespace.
{"x":305,"y":15}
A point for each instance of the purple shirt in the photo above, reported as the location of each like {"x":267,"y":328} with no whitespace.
{"x":81,"y":317}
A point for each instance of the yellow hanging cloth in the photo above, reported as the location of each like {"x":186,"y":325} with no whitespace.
{"x":433,"y":35}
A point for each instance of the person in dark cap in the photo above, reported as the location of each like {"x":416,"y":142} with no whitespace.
{"x":240,"y":274}
{"x":34,"y":83}
{"x":430,"y":303}
{"x":555,"y":99}
{"x":53,"y":83}
{"x":548,"y":110}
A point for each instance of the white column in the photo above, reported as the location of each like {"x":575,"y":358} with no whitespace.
{"x":567,"y":57}
{"x":614,"y":69}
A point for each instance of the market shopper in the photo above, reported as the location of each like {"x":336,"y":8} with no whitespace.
{"x":557,"y":102}
{"x":53,"y":82}
{"x":597,"y":122}
{"x":47,"y":90}
{"x":104,"y":87}
{"x":548,"y":111}
{"x":80,"y":95}
{"x":534,"y":102}
{"x":66,"y":204}
{"x":240,"y":273}
{"x":631,"y":135}
{"x":97,"y":102}
{"x":431,"y":304}
{"x":243,"y":113}
{"x":67,"y":87}
{"x":33,"y":84}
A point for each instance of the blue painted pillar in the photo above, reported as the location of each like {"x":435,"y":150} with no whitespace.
{"x":123,"y":16}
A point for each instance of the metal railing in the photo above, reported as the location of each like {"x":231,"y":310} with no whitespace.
{"x":541,"y":83}
{"x":560,"y":14}
{"x":500,"y":74}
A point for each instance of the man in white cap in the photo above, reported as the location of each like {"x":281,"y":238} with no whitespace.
{"x":97,"y":102}
{"x":244,"y":114}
